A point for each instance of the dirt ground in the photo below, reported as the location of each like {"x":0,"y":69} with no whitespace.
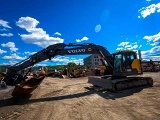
{"x":75,"y":99}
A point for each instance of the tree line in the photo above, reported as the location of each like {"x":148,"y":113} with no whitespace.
{"x":61,"y":67}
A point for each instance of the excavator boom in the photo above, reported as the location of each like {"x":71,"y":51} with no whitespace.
{"x":13,"y":78}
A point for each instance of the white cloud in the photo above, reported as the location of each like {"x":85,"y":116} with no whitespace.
{"x":57,"y":33}
{"x":123,"y":43}
{"x":59,"y":64}
{"x":10,"y":45}
{"x":5,"y":63}
{"x":13,"y":56}
{"x":13,"y":49}
{"x":155,"y":37}
{"x":154,"y":52}
{"x":2,"y":51}
{"x":153,"y":40}
{"x":29,"y":53}
{"x":146,"y":11}
{"x":27,"y":23}
{"x":83,"y":39}
{"x":119,"y":48}
{"x":77,"y":61}
{"x":63,"y":60}
{"x":6,"y":34}
{"x":36,"y":35}
{"x":4,"y":24}
{"x":10,"y":62}
{"x":128,"y":45}
{"x":41,"y":64}
{"x":139,"y":16}
{"x":140,"y":46}
{"x":60,"y":60}
{"x":98,"y":28}
{"x":4,"y":29}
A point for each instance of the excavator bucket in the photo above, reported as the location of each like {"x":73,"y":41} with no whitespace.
{"x":27,"y":87}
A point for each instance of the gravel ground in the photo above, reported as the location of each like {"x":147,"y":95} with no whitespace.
{"x":75,"y":99}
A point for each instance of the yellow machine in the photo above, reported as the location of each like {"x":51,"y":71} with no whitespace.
{"x":3,"y":70}
{"x":1,"y":76}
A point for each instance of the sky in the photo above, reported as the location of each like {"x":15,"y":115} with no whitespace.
{"x":28,"y":26}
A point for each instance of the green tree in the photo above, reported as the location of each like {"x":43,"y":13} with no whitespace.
{"x":88,"y":66}
{"x":60,"y":67}
{"x":71,"y":64}
{"x":57,"y":67}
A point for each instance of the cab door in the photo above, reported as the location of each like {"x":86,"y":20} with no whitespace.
{"x":118,"y":62}
{"x":131,"y":64}
{"x":128,"y":58}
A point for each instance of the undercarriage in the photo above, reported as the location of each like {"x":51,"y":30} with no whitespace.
{"x":120,"y":83}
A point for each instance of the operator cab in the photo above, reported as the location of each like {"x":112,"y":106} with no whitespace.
{"x":126,"y":63}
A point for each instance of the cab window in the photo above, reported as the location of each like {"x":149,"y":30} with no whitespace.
{"x":128,"y":59}
{"x":117,"y":62}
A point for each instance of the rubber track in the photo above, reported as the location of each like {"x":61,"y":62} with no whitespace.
{"x":133,"y":82}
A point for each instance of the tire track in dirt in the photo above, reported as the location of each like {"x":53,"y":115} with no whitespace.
{"x":70,"y":100}
{"x":55,"y":108}
{"x":42,"y":105}
{"x":128,"y":110}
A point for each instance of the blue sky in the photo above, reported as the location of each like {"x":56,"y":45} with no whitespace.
{"x":28,"y":26}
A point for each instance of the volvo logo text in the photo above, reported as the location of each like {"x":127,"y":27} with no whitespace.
{"x":77,"y":51}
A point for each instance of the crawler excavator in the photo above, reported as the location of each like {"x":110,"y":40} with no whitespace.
{"x":123,"y":66}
